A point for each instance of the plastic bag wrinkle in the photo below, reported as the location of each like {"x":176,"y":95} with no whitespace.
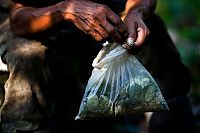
{"x":119,"y":85}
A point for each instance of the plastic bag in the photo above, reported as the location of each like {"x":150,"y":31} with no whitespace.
{"x":119,"y":85}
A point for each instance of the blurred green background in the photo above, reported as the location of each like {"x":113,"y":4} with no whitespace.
{"x":183,"y":20}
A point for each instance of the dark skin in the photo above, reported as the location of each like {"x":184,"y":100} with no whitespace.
{"x":97,"y":20}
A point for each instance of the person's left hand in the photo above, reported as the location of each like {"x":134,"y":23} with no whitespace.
{"x":137,"y":30}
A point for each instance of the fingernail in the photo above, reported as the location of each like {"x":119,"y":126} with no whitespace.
{"x":130,"y":41}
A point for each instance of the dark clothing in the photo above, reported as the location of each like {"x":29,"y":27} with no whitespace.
{"x":47,"y":81}
{"x":178,"y":119}
{"x":161,"y":58}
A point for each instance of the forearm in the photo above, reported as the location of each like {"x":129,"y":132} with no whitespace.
{"x":144,"y":8}
{"x":94,"y":19}
{"x":28,"y":20}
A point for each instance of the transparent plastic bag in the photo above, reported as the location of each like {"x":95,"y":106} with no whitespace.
{"x":119,"y":85}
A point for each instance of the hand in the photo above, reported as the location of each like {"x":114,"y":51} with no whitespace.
{"x":95,"y":19}
{"x":137,"y":30}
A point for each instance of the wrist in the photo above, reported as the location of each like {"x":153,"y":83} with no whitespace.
{"x":143,"y":9}
{"x":62,"y":8}
{"x":67,"y":9}
{"x":142,"y":12}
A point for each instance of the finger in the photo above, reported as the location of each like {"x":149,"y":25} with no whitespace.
{"x":89,"y":30}
{"x":112,"y":31}
{"x":96,"y":35}
{"x":104,"y":34}
{"x":79,"y":24}
{"x":141,"y":36}
{"x":116,"y":20}
{"x":132,"y":49}
{"x":132,"y":30}
{"x":126,"y":46}
{"x":129,"y":43}
{"x":126,"y":34}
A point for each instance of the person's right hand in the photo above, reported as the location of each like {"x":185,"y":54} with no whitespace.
{"x":95,"y":19}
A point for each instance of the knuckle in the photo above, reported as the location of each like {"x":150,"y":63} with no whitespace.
{"x":96,"y":36}
{"x":99,"y":18}
{"x":99,"y":38}
{"x":95,"y":17}
{"x":91,"y":33}
{"x":102,"y":8}
{"x":87,"y":29}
